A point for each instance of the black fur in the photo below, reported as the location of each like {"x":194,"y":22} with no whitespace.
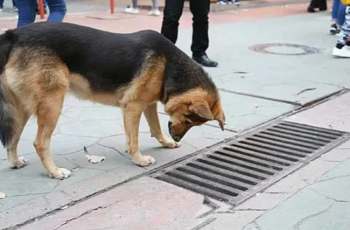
{"x":110,"y":60}
{"x":6,"y":115}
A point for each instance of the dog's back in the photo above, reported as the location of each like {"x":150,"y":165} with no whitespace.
{"x":107,"y":60}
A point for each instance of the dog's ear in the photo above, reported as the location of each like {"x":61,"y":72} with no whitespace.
{"x":220,"y":117}
{"x":202,"y":110}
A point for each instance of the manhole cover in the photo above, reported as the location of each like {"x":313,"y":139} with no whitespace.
{"x":284,"y":49}
{"x":240,"y":168}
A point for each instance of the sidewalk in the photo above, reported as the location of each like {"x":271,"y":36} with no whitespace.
{"x":255,"y":88}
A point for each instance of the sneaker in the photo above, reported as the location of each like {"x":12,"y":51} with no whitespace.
{"x":132,"y":10}
{"x":221,"y":3}
{"x":154,"y":12}
{"x":1,"y":9}
{"x":343,"y":52}
{"x":334,"y":28}
{"x":15,"y":9}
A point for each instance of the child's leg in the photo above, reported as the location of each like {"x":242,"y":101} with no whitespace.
{"x":341,"y":49}
{"x":345,"y":29}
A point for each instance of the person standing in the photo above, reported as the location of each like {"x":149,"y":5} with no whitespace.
{"x":200,"y":38}
{"x":338,"y":16}
{"x":342,"y":48}
{"x":26,"y":11}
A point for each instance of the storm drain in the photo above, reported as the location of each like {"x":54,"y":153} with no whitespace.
{"x":241,"y":168}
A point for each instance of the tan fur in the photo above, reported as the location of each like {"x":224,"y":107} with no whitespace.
{"x":37,"y":86}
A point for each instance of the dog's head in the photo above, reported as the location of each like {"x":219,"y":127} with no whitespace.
{"x":193,"y":108}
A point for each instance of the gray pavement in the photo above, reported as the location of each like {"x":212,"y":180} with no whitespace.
{"x":286,"y":83}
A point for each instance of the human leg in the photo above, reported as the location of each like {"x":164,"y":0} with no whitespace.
{"x":172,"y":13}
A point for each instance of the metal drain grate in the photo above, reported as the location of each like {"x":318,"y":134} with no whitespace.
{"x":240,"y":168}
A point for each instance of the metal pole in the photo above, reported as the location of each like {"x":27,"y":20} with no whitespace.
{"x":41,"y":9}
{"x":112,"y":6}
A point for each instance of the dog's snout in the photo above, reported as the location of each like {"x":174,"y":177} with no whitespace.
{"x":170,"y":124}
{"x":177,"y":138}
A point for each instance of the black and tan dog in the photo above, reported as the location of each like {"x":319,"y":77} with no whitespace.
{"x":41,"y":62}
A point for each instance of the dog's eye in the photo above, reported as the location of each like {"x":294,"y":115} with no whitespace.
{"x":188,"y":122}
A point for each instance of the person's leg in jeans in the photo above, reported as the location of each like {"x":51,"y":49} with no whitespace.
{"x":1,"y":5}
{"x":26,"y":12}
{"x":172,"y":13}
{"x":57,"y":10}
{"x":342,"y":48}
{"x":155,"y":10}
{"x":200,"y":36}
{"x":341,"y":14}
{"x":133,"y":9}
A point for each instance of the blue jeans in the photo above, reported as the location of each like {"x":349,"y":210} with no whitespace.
{"x":26,"y":11}
{"x":338,"y":12}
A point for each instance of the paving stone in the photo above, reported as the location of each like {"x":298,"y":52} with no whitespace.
{"x":334,"y":218}
{"x":342,"y":170}
{"x":263,"y":201}
{"x":290,"y":184}
{"x":322,"y":116}
{"x":291,"y":213}
{"x":229,"y":221}
{"x":339,"y":154}
{"x":130,"y":206}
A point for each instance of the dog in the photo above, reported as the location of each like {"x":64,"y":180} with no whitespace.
{"x":42,"y":62}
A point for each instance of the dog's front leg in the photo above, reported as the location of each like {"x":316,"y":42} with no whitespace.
{"x":152,"y":118}
{"x":132,"y":115}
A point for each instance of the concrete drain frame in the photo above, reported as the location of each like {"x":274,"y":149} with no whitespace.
{"x":238,"y":169}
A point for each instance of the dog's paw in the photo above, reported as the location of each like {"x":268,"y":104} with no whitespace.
{"x":20,"y":163}
{"x":61,"y":173}
{"x":145,"y":160}
{"x":170,"y":143}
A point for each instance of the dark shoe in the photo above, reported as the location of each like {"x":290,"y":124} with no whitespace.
{"x":205,"y":61}
{"x":311,"y":10}
{"x":334,"y":28}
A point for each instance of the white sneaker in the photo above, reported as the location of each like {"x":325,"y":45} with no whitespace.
{"x":343,"y":52}
{"x":221,"y":3}
{"x":132,"y":10}
{"x":154,"y":12}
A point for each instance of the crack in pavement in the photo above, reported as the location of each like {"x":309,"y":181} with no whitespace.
{"x":84,"y":214}
{"x":300,"y":222}
{"x":328,"y":197}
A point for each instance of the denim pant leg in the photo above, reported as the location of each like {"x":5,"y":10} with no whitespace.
{"x":335,"y":8}
{"x":57,"y":10}
{"x":26,"y":12}
{"x":1,"y":3}
{"x":341,"y":14}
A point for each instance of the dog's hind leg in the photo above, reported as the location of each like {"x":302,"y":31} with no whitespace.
{"x":21,"y":119}
{"x":48,"y":111}
{"x":131,"y":116}
{"x":152,"y":118}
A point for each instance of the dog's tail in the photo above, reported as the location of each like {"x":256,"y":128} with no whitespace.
{"x":7,"y":120}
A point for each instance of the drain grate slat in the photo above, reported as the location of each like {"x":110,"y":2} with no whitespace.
{"x":313,"y":128}
{"x":229,"y":155}
{"x":293,"y":137}
{"x":310,"y":132}
{"x":288,"y":141}
{"x":228,"y":164}
{"x":319,"y":139}
{"x":219,"y":187}
{"x":231,"y":182}
{"x":223,"y":172}
{"x":257,"y":155}
{"x":240,"y":168}
{"x":270,"y":150}
{"x":194,"y":187}
{"x":285,"y":147}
